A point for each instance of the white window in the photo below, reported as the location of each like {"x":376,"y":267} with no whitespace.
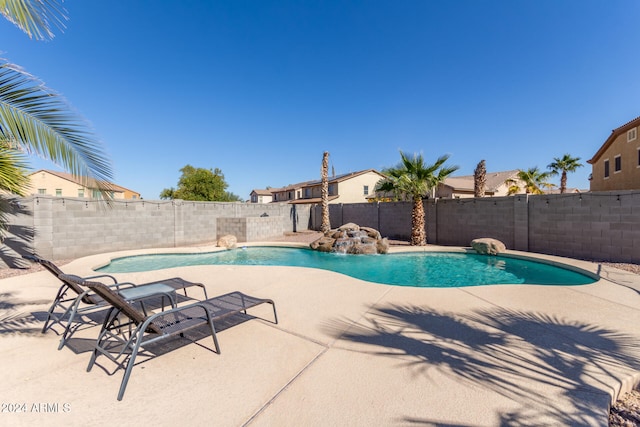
{"x":42,"y":191}
{"x":58,"y":192}
{"x":80,"y":192}
{"x":366,"y":190}
{"x":632,"y":134}
{"x":617,"y":164}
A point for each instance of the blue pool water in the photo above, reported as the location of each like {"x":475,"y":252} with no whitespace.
{"x":430,"y":269}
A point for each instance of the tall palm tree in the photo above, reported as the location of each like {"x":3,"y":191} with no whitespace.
{"x":479,"y":179}
{"x":413,"y":179}
{"x":36,"y":120}
{"x":532,"y":180}
{"x":563,"y":165}
{"x":325,"y":226}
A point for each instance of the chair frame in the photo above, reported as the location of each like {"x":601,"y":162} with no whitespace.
{"x":72,"y":299}
{"x":140,"y":330}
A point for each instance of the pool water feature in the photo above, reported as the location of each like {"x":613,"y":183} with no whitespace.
{"x":417,"y":269}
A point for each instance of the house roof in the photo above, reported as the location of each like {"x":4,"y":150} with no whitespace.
{"x":69,"y":177}
{"x":343,"y":177}
{"x":260,"y":192}
{"x":311,"y":200}
{"x":494,"y":181}
{"x":614,"y":134}
{"x":332,"y":180}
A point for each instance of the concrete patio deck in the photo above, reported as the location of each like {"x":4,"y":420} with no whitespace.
{"x":346,"y":352}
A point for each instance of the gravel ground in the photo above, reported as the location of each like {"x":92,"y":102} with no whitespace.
{"x":624,"y":413}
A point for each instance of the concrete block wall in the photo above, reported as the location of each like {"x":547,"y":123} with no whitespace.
{"x":459,"y":221}
{"x":63,"y":228}
{"x":597,"y":225}
{"x":393,"y":220}
{"x":250,"y":229}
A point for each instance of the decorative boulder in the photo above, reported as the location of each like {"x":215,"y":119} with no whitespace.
{"x":323,"y":244}
{"x":350,"y":238}
{"x":228,"y":241}
{"x":488,"y":246}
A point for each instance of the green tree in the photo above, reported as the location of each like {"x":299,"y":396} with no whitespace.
{"x":562,"y":166}
{"x":412,"y":179}
{"x":36,"y":120}
{"x":200,"y":184}
{"x":532,"y":180}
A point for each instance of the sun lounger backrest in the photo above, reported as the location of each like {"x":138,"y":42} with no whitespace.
{"x":112,"y":298}
{"x":53,"y":269}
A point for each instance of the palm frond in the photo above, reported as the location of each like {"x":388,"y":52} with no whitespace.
{"x":35,"y":17}
{"x":13,"y":171}
{"x":40,"y":121}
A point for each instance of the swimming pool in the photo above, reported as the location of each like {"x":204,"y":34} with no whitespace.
{"x":417,"y":269}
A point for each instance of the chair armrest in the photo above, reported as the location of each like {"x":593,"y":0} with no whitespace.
{"x":115,"y":281}
{"x":125,"y":285}
{"x":152,"y":317}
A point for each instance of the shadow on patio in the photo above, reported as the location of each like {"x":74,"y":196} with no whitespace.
{"x":555,"y":369}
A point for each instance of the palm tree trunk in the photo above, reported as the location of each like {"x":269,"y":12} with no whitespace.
{"x":418,"y":232}
{"x":563,"y":182}
{"x":325,"y":227}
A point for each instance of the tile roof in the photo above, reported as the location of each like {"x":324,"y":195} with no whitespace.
{"x":494,"y":181}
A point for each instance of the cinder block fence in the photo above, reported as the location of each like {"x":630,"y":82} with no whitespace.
{"x":63,"y":228}
{"x":597,"y":226}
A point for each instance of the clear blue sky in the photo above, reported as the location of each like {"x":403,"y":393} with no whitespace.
{"x":260,"y":89}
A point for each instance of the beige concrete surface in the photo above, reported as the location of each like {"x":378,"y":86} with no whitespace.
{"x":345,"y":353}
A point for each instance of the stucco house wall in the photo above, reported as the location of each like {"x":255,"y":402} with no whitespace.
{"x":616,"y":165}
{"x":59,"y":184}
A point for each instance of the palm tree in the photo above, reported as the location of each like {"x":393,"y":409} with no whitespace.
{"x":563,"y":165}
{"x":35,"y":119}
{"x":325,"y":226}
{"x":479,"y":179}
{"x":413,"y":180}
{"x":532,"y":180}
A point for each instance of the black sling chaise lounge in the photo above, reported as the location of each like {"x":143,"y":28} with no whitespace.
{"x":72,"y":298}
{"x":126,"y":328}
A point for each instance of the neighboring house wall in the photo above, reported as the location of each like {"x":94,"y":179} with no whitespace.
{"x":348,"y":188}
{"x":616,"y":165}
{"x":353,"y":190}
{"x":46,"y":184}
{"x":287,"y":194}
{"x":262,"y":196}
{"x":59,"y":184}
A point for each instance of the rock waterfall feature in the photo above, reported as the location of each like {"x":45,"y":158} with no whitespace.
{"x":352,"y":239}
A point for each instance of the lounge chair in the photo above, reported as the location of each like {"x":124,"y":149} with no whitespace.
{"x":72,"y":298}
{"x":127,"y":328}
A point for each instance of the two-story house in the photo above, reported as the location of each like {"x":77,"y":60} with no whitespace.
{"x":616,"y":165}
{"x":354,"y":187}
{"x":61,"y":184}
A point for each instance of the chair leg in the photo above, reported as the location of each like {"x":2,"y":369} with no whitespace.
{"x":130,"y":364}
{"x":103,"y":332}
{"x":67,"y":330}
{"x":59,"y":296}
{"x":275,"y":315}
